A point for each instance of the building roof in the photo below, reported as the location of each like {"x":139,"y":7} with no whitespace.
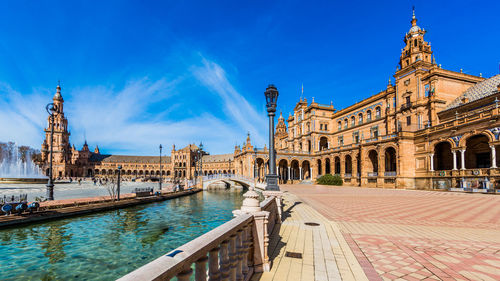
{"x":218,"y":158}
{"x":128,"y":159}
{"x":480,"y":90}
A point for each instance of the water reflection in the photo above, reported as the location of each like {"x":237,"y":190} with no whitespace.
{"x":53,"y":241}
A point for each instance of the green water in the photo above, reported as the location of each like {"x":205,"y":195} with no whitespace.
{"x":108,"y":245}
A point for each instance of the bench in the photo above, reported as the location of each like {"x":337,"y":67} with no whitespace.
{"x":143,"y":192}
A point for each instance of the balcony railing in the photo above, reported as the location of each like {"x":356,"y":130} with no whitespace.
{"x":347,"y":175}
{"x":373,"y":174}
{"x":406,"y":106}
{"x":390,"y":174}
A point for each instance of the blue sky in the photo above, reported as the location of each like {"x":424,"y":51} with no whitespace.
{"x":139,"y":73}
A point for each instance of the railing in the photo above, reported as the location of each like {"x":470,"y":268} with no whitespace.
{"x":269,"y":204}
{"x":14,"y":198}
{"x":234,"y":250}
{"x":347,"y":175}
{"x":227,"y":247}
{"x":405,"y":106}
{"x":373,"y":174}
{"x":390,"y":174}
{"x":244,"y":179}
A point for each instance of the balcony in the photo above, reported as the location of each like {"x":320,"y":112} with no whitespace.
{"x":373,"y":174}
{"x":406,"y":106}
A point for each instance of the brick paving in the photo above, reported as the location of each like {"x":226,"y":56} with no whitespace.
{"x":413,"y":235}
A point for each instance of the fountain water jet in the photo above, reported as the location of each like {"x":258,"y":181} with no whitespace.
{"x":15,"y":169}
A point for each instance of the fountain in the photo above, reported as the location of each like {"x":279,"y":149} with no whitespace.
{"x":14,"y":168}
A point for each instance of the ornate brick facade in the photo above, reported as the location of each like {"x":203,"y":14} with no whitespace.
{"x":406,"y":136}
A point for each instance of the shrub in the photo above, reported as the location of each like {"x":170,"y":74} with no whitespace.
{"x":329,"y":180}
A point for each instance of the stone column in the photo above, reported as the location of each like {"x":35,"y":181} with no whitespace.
{"x":342,"y":166}
{"x":432,"y":162}
{"x":454,"y":159}
{"x":493,"y":157}
{"x":381,"y":170}
{"x":462,"y":151}
{"x":289,"y":175}
{"x":310,"y":173}
{"x":300,"y":173}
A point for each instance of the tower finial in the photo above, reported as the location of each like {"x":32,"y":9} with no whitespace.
{"x":413,"y":19}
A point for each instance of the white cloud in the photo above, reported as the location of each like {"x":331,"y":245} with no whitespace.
{"x":22,"y":117}
{"x":236,"y":106}
{"x":128,"y":121}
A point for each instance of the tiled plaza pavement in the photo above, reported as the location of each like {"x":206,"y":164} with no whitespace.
{"x":326,"y":255}
{"x":413,"y":235}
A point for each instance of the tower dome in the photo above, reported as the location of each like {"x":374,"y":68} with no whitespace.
{"x":57,"y":95}
{"x":414,"y":27}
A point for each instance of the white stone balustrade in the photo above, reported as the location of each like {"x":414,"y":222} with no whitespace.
{"x":232,"y":251}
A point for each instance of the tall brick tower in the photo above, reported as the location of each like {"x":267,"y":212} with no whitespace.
{"x":416,"y":48}
{"x":61,"y":146}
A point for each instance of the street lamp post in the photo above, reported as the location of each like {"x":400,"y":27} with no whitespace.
{"x":200,"y":155}
{"x":52,"y":110}
{"x":255,"y":165}
{"x":160,"y":168}
{"x":118,"y":183}
{"x":271,"y":94}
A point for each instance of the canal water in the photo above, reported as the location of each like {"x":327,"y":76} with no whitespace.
{"x":108,"y":245}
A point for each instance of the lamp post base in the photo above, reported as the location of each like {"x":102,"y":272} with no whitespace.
{"x":272,"y":182}
{"x":50,"y":191}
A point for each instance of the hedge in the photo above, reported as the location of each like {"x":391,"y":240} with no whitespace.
{"x":329,"y":180}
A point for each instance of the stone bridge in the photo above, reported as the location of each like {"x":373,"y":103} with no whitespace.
{"x":231,"y":179}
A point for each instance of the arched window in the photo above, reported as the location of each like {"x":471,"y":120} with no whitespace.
{"x":369,"y":115}
{"x":415,"y":43}
{"x":346,"y":123}
{"x":377,"y":112}
{"x":340,"y":125}
{"x":353,"y":121}
{"x":360,"y":118}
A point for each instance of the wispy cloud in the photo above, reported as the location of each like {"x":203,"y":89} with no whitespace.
{"x":236,"y":106}
{"x":22,"y":117}
{"x":135,"y":118}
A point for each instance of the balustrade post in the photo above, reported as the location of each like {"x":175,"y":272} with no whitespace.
{"x":185,"y":275}
{"x":233,"y":257}
{"x":201,"y":269}
{"x":224,"y":261}
{"x":246,"y":247}
{"x":240,"y":251}
{"x":278,"y":195}
{"x":213,"y":264}
{"x":260,"y":239}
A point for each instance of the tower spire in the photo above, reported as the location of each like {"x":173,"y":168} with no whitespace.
{"x":413,"y":18}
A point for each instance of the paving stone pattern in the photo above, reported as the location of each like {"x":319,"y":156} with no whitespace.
{"x":413,"y":235}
